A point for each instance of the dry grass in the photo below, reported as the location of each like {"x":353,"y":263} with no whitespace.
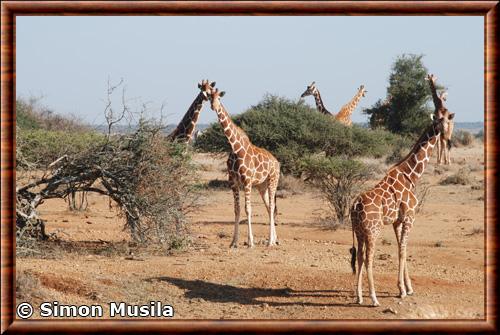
{"x":461,"y":177}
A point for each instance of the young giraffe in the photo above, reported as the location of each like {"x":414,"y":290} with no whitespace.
{"x":344,"y":115}
{"x":185,"y":129}
{"x":444,"y":144}
{"x":249,"y":166}
{"x":392,"y":201}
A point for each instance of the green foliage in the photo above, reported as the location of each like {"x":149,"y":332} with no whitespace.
{"x":338,"y":179}
{"x":400,"y":150}
{"x":480,"y":135}
{"x":41,"y":147}
{"x":26,"y":118}
{"x":407,"y":112}
{"x":292,"y":130}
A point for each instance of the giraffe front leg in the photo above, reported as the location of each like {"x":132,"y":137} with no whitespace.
{"x":438,"y":149}
{"x":236,"y":234}
{"x":248,"y":210}
{"x":398,"y":227}
{"x":404,"y":276}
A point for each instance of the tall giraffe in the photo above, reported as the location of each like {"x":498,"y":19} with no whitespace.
{"x":248,"y":166}
{"x":392,"y":201}
{"x":344,"y":115}
{"x":185,"y":129}
{"x":444,"y":144}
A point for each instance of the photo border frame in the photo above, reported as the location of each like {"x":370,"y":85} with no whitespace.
{"x":11,"y":9}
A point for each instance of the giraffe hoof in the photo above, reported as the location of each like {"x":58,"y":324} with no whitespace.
{"x":375,"y":304}
{"x":410,"y":292}
{"x":233,"y":245}
{"x":402,"y":295}
{"x":359,"y":301}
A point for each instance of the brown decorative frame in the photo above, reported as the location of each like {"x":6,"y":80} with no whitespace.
{"x":11,"y":9}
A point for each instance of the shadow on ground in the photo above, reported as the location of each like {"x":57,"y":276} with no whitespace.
{"x":223,"y":293}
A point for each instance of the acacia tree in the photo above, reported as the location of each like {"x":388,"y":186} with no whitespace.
{"x":406,"y":111}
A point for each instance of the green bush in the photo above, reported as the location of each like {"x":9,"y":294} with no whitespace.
{"x":42,"y":147}
{"x":480,"y":135}
{"x":292,"y":130}
{"x":400,"y":150}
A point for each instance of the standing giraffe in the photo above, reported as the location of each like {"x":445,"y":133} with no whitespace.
{"x":248,"y":166}
{"x":444,"y":144}
{"x":344,"y":115}
{"x":392,"y":201}
{"x":185,"y":129}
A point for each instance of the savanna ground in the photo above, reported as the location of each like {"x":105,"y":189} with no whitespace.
{"x":308,"y":276}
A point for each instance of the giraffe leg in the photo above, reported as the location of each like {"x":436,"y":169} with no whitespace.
{"x":236,"y":194}
{"x":359,"y":281}
{"x":370,"y":252}
{"x":273,"y":238}
{"x":248,"y":210}
{"x":438,"y":149}
{"x":404,"y":241}
{"x":398,"y":227}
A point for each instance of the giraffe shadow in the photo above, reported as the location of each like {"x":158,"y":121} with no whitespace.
{"x":224,"y":293}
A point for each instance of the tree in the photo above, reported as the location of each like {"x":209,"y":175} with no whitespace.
{"x":406,"y":111}
{"x":339,"y":181}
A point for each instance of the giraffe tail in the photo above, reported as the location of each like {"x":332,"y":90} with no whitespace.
{"x":353,"y":251}
{"x":448,"y":144}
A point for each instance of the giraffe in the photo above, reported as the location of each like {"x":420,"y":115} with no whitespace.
{"x":392,"y":201}
{"x":344,"y":115}
{"x":248,"y":166}
{"x":185,"y":129}
{"x":444,"y":144}
{"x":313,"y":90}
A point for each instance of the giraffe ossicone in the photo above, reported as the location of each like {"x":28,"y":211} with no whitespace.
{"x":248,"y":166}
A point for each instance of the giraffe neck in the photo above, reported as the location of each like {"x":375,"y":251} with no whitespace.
{"x":347,"y":110}
{"x":186,"y":127}
{"x":438,"y":104}
{"x":414,"y":164}
{"x":319,"y":103}
{"x":237,"y":138}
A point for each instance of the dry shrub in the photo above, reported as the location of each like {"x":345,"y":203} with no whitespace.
{"x":422,"y":192}
{"x":291,"y":185}
{"x":27,"y":286}
{"x":218,"y":184}
{"x":462,"y":138}
{"x":461,"y":177}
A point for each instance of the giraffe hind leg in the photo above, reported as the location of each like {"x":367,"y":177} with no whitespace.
{"x":236,"y":195}
{"x":359,"y":279}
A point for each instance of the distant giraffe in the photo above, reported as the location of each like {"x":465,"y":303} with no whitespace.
{"x":344,"y":115}
{"x":313,"y":90}
{"x":185,"y":129}
{"x":444,"y":144}
{"x":392,"y":201}
{"x":248,"y":165}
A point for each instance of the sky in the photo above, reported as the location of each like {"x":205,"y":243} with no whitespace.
{"x":67,"y":61}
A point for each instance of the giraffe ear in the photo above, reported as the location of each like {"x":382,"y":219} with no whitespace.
{"x":222,"y":93}
{"x":451,"y":116}
{"x":212,"y":84}
{"x":433,"y":117}
{"x":199,"y":85}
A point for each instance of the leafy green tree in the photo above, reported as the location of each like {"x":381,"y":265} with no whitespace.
{"x":291,"y":130}
{"x":407,"y":110}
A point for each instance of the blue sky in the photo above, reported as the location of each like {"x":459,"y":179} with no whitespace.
{"x":68,"y":60}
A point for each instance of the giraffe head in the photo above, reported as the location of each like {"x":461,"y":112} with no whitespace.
{"x":310,"y":90}
{"x":214,"y":97}
{"x":206,"y":87}
{"x":443,"y":123}
{"x":362,"y":90}
{"x":432,"y":78}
